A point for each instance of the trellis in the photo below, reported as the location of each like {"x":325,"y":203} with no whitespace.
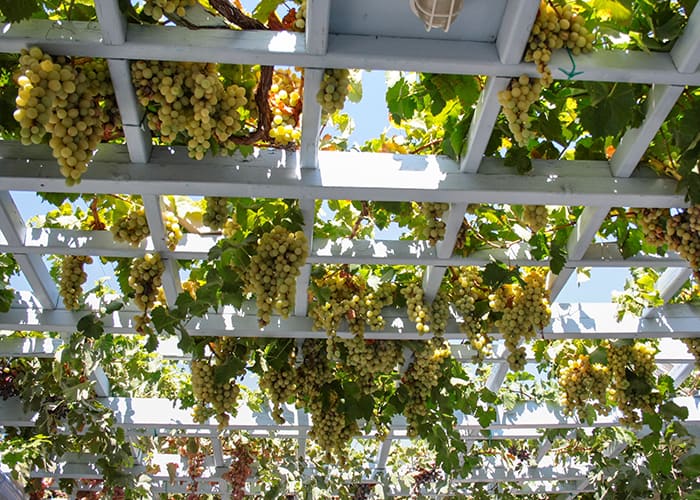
{"x":309,"y":175}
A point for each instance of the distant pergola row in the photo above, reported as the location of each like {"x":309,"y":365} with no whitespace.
{"x":139,"y":168}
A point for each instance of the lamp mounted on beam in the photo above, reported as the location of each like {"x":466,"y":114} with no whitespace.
{"x":437,"y":13}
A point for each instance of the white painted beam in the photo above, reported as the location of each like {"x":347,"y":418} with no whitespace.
{"x":318,"y":14}
{"x":31,"y":265}
{"x":569,"y":321}
{"x":171,"y":276}
{"x":301,"y":300}
{"x":686,"y":51}
{"x":112,"y":22}
{"x":455,"y":217}
{"x":344,"y":51}
{"x":352,"y":176}
{"x":515,"y":29}
{"x":310,"y":118}
{"x":481,"y":128}
{"x":432,"y":279}
{"x":668,"y":285}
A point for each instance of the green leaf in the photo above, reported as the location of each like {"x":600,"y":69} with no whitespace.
{"x":487,"y":416}
{"x":670,"y":409}
{"x":401,"y":103}
{"x":519,"y":158}
{"x":653,"y":421}
{"x":6,"y":298}
{"x":496,"y":273}
{"x":263,"y":10}
{"x":90,"y":326}
{"x":690,"y":465}
{"x":17,"y":10}
{"x":660,"y":462}
{"x":228,"y":370}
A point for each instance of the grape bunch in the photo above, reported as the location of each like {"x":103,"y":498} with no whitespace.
{"x":145,"y":278}
{"x":683,"y":236}
{"x":535,"y":217}
{"x":279,"y":383}
{"x":11,"y":371}
{"x":210,"y":391}
{"x":524,"y":311}
{"x":693,"y":346}
{"x":189,"y":100}
{"x":67,"y":100}
{"x":632,"y":368}
{"x":652,"y":222}
{"x":434,"y":230}
{"x":467,"y":290}
{"x":300,"y":16}
{"x":72,"y":278}
{"x":173,"y":231}
{"x":516,"y":100}
{"x":131,"y":228}
{"x":418,"y":311}
{"x":556,"y":27}
{"x":368,"y":359}
{"x":421,"y":377}
{"x":583,"y":383}
{"x":159,"y":8}
{"x":239,"y":470}
{"x":273,"y":269}
{"x":216,"y":213}
{"x":285,"y":104}
{"x":335,"y":87}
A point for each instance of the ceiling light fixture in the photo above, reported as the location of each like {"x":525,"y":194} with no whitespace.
{"x":437,"y":13}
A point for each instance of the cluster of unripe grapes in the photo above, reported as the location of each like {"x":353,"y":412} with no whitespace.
{"x":145,"y":278}
{"x":434,"y":230}
{"x":335,"y":87}
{"x":271,"y":274}
{"x":516,"y":100}
{"x":173,"y":231}
{"x":72,"y":278}
{"x":693,"y":346}
{"x":280,"y":384}
{"x":632,"y":368}
{"x":555,"y":27}
{"x":416,"y":308}
{"x":421,"y":377}
{"x":212,"y":395}
{"x":300,"y":21}
{"x":583,"y":383}
{"x":67,"y":100}
{"x":468,"y":289}
{"x":159,"y":8}
{"x":535,"y":216}
{"x":368,"y":359}
{"x":190,"y":101}
{"x":216,"y":212}
{"x":524,"y":311}
{"x":285,"y":104}
{"x":10,"y":371}
{"x":680,"y":231}
{"x":132,"y":228}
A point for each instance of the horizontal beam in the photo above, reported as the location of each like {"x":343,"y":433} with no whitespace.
{"x":346,"y":175}
{"x":569,"y":321}
{"x":159,"y":415}
{"x":343,"y":51}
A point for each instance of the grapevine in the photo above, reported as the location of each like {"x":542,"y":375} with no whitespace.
{"x":145,"y":277}
{"x":273,"y":269}
{"x":68,"y":101}
{"x":72,"y":278}
{"x":335,"y":87}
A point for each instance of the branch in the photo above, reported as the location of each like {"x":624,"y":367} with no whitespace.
{"x":235,"y":16}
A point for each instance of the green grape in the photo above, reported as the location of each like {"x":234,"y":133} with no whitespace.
{"x":582,"y":384}
{"x":521,"y":94}
{"x":694,"y":348}
{"x":468,"y":289}
{"x":216,"y":213}
{"x":145,"y":278}
{"x":159,"y":8}
{"x":535,"y":217}
{"x":418,"y":311}
{"x":173,"y":231}
{"x":72,"y":278}
{"x":652,"y":222}
{"x":131,"y":228}
{"x":334,"y":89}
{"x":434,"y":230}
{"x":272,"y":272}
{"x":285,"y":105}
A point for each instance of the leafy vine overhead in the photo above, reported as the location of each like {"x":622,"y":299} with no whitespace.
{"x":256,"y":251}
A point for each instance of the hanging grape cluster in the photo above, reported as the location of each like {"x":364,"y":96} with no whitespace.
{"x":71,"y":280}
{"x":524,"y":311}
{"x":583,"y":384}
{"x":159,"y":8}
{"x":11,"y":371}
{"x":70,"y":101}
{"x":468,"y":290}
{"x":555,"y":27}
{"x":279,"y":381}
{"x":190,"y":102}
{"x":300,"y":16}
{"x":173,"y":231}
{"x":216,"y":213}
{"x":132,"y":228}
{"x":680,"y":231}
{"x":367,"y":360}
{"x":272,"y":272}
{"x":285,"y":104}
{"x":434,"y":229}
{"x":214,"y":384}
{"x":632,"y":368}
{"x":335,"y":88}
{"x":535,"y":217}
{"x":239,"y":470}
{"x":145,"y":278}
{"x":421,"y":377}
{"x":693,"y":346}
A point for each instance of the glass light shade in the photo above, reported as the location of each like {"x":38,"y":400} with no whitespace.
{"x":437,"y":13}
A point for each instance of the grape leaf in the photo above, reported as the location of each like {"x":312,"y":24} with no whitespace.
{"x":6,"y":297}
{"x":266,"y":7}
{"x":14,"y":10}
{"x":401,"y":103}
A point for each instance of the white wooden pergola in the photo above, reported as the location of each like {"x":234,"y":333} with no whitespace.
{"x":487,"y":39}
